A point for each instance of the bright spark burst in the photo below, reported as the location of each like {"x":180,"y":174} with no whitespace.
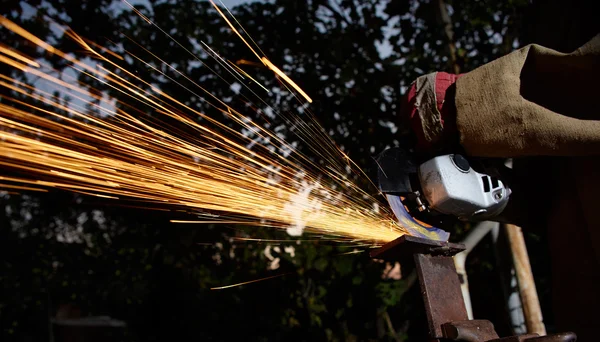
{"x":123,"y":153}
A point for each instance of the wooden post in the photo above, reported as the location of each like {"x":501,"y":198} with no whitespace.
{"x":529,"y":298}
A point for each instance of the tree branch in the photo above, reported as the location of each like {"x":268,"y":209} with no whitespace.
{"x":444,"y":19}
{"x":337,"y":14}
{"x":390,"y":326}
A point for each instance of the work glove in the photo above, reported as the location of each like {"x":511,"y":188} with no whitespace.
{"x":428,"y":109}
{"x":532,"y":102}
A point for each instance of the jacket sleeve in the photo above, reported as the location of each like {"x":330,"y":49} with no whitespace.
{"x":532,"y":102}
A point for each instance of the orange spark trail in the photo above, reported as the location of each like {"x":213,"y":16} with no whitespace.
{"x":169,"y":159}
{"x":9,"y":52}
{"x":249,"y":282}
{"x":285,"y":77}
{"x":234,"y":29}
{"x":263,"y":59}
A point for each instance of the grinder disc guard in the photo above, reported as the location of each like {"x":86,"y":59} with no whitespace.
{"x":395,"y":169}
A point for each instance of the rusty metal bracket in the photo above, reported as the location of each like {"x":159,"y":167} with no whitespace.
{"x":560,"y":337}
{"x":470,"y":331}
{"x":440,"y":286}
{"x":439,"y":281}
{"x":442,"y":296}
{"x":406,"y":246}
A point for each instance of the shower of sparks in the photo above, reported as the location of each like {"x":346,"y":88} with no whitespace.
{"x":176,"y":158}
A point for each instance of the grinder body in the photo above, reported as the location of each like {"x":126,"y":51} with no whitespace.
{"x":445,"y":185}
{"x":451,"y":186}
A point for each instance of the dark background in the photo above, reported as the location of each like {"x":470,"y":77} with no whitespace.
{"x":68,"y":256}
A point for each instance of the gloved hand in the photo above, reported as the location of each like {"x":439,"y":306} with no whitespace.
{"x":428,"y":108}
{"x":531,"y":102}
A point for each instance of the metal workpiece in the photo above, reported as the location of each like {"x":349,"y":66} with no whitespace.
{"x":483,"y":331}
{"x":472,"y":331}
{"x":440,"y":285}
{"x":560,"y":337}
{"x":441,"y":291}
{"x":406,"y":246}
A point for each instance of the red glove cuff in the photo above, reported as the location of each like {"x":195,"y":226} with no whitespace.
{"x":431,"y":126}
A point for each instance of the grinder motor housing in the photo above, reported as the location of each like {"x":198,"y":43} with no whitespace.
{"x":451,"y":186}
{"x":446,"y":184}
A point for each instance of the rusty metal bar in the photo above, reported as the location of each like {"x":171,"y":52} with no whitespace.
{"x":440,"y":286}
{"x":441,"y":291}
{"x":437,"y":275}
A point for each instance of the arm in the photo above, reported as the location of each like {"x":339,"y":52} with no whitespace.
{"x":531,"y":102}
